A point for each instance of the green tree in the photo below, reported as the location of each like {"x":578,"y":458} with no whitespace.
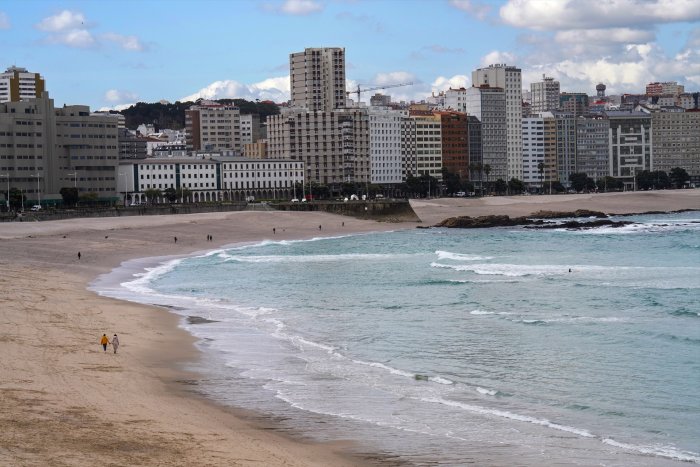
{"x":500,"y":186}
{"x":679,"y":177}
{"x":185,"y":194}
{"x":348,"y":188}
{"x":16,"y":199}
{"x":540,"y":169}
{"x":153,"y":194}
{"x":89,"y":198}
{"x":452,"y":181}
{"x":608,"y":183}
{"x":487,"y":171}
{"x":516,"y":186}
{"x":170,"y":194}
{"x":580,"y":181}
{"x":70,"y":195}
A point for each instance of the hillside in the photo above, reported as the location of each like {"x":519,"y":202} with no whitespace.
{"x":173,"y":115}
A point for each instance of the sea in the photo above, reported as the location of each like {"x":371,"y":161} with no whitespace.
{"x":501,"y":346}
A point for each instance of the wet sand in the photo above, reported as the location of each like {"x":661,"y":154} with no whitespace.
{"x":63,"y":401}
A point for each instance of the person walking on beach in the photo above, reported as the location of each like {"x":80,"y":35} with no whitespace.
{"x":319,"y":227}
{"x":104,"y":341}
{"x":115,"y":343}
{"x":79,"y":255}
{"x":274,"y":231}
{"x":175,"y":238}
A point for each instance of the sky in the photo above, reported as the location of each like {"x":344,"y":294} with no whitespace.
{"x":111,"y":54}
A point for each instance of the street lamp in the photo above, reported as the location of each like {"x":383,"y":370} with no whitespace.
{"x":126,"y":193}
{"x":7,"y":200}
{"x":75,"y":179}
{"x":38,"y":190}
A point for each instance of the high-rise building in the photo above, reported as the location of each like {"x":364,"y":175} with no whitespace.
{"x":211,"y":126}
{"x":592,"y":149}
{"x":44,"y":149}
{"x":455,"y":142}
{"x":475,"y":147}
{"x":456,"y":99}
{"x":379,"y":100}
{"x":668,"y":87}
{"x":250,"y":128}
{"x":629,"y":145}
{"x":574,"y":102}
{"x":428,"y":144}
{"x":566,"y":145}
{"x":17,"y":84}
{"x":488,"y":104}
{"x":544,"y":95}
{"x":509,"y":78}
{"x":334,"y":145}
{"x":676,"y":142}
{"x":386,"y":160}
{"x":533,"y":151}
{"x":317,"y":78}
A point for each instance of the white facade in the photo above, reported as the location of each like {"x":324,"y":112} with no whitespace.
{"x":544,"y":95}
{"x":510,"y":79}
{"x":317,"y":78}
{"x":428,"y":145}
{"x":250,"y":128}
{"x":533,"y":149}
{"x":215,"y":179}
{"x":488,"y":105}
{"x":385,"y":145}
{"x":21,"y":84}
{"x":456,"y":99}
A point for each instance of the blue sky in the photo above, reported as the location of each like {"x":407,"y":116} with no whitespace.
{"x":112,"y":53}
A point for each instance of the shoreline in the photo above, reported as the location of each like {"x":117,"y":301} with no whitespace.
{"x":65,"y":383}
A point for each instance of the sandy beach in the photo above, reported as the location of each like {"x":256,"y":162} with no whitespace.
{"x":63,"y":401}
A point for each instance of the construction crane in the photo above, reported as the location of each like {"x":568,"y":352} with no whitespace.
{"x":361,"y":90}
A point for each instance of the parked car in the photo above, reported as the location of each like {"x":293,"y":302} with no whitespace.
{"x":295,"y":200}
{"x":461,"y":194}
{"x":36,"y":207}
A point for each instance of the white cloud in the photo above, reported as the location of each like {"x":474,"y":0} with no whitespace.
{"x":125,"y":42}
{"x":117,"y":96}
{"x":594,"y":14}
{"x":442,"y":83}
{"x":473,"y":8}
{"x":612,"y":35}
{"x":79,"y":38}
{"x":63,"y":21}
{"x":497,"y":56}
{"x":394,"y":77}
{"x":274,"y":89}
{"x":116,"y":107}
{"x":295,"y":7}
{"x":4,"y":20}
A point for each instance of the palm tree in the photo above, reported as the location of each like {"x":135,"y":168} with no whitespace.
{"x":487,"y":171}
{"x":540,"y":168}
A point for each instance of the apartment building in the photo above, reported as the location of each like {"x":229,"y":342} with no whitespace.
{"x":131,"y":145}
{"x":533,"y":151}
{"x":667,"y":87}
{"x":386,"y":158}
{"x":508,"y":78}
{"x":334,"y":145}
{"x":629,"y":145}
{"x":250,"y":128}
{"x":676,"y":141}
{"x":544,"y":95}
{"x":573,"y":102}
{"x":455,"y":142}
{"x":456,"y":99}
{"x":566,"y":145}
{"x":488,"y":105}
{"x":43,"y":149}
{"x":18,"y":84}
{"x":210,"y":126}
{"x":428,"y":159}
{"x":317,"y":78}
{"x":592,"y":148}
{"x":408,"y":148}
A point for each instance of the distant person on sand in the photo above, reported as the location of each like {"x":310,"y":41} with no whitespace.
{"x":319,"y":227}
{"x":79,"y":255}
{"x":115,"y":343}
{"x":274,"y":231}
{"x":175,"y":238}
{"x":104,"y":341}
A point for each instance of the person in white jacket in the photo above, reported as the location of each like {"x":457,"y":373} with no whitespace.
{"x":115,"y":343}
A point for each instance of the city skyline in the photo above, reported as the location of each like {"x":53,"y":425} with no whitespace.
{"x":112,"y":54}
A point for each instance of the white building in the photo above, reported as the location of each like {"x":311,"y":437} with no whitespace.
{"x":544,"y":95}
{"x":18,"y":84}
{"x":250,"y":128}
{"x":317,"y":78}
{"x":509,"y":78}
{"x":428,"y":145}
{"x":386,"y":164}
{"x":488,"y":105}
{"x":456,"y":99}
{"x":207,"y":180}
{"x":533,"y":150}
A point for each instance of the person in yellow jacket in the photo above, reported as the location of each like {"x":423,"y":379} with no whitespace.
{"x":104,"y":341}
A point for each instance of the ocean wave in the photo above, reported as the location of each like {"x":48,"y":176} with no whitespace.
{"x":486,"y":392}
{"x":661,"y":451}
{"x":460,"y":256}
{"x":640,"y":228}
{"x":306,"y":258}
{"x":685,"y":312}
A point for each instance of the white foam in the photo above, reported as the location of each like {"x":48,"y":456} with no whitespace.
{"x":460,"y":256}
{"x":307,"y":258}
{"x":441,"y":380}
{"x":487,"y":392}
{"x":662,"y":451}
{"x":509,"y":415}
